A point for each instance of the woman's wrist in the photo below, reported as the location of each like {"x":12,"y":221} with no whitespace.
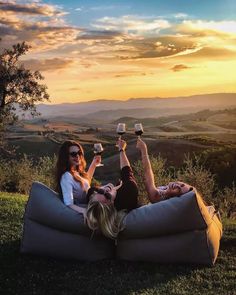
{"x":122,"y":150}
{"x":145,"y":154}
{"x":163,"y":194}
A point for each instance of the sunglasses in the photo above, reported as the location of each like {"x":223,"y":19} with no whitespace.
{"x":75,"y":154}
{"x":107,"y":195}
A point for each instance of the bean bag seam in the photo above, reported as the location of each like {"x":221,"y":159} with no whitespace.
{"x":57,"y":228}
{"x":199,"y":210}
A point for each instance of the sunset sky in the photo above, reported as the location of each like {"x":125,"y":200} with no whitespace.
{"x":120,"y":49}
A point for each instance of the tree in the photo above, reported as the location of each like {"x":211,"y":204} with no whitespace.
{"x":19,"y":87}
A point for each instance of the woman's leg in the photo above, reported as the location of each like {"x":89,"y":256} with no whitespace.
{"x":127,"y":194}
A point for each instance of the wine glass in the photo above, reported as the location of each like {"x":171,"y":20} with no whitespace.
{"x":138,"y":129}
{"x":98,"y":149}
{"x":121,"y":129}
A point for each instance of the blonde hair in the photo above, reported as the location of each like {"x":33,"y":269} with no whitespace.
{"x":105,"y":217}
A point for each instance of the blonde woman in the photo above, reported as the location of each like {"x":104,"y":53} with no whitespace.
{"x":108,"y":204}
{"x":73,"y":181}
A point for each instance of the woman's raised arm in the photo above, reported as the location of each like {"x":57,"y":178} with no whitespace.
{"x":92,"y":167}
{"x":149,"y":180}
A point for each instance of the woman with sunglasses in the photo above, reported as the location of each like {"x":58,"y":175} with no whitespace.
{"x":108,"y":204}
{"x":160,"y":193}
{"x":72,"y":180}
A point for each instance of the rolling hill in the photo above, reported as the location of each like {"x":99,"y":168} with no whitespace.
{"x":205,"y":120}
{"x":106,"y":110}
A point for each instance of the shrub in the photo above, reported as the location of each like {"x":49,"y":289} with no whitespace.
{"x":24,"y":175}
{"x":226,"y":201}
{"x":221,"y":161}
{"x":45,"y":171}
{"x":162,"y":175}
{"x":195,"y":174}
{"x":192,"y":172}
{"x":4,"y":172}
{"x":18,"y":175}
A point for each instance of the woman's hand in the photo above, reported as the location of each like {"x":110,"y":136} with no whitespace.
{"x":97,"y":160}
{"x":118,"y":186}
{"x":141,"y":145}
{"x":121,"y":144}
{"x":78,"y":209}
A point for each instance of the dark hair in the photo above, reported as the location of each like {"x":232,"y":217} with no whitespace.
{"x":63,"y":164}
{"x":90,"y":191}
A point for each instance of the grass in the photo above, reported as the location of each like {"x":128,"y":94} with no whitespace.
{"x":25,"y":274}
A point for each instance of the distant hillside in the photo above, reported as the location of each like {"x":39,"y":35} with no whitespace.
{"x":110,"y":115}
{"x":205,"y":120}
{"x":139,"y":107}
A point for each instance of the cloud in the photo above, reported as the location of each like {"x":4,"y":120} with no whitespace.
{"x":162,"y":47}
{"x":130,"y":74}
{"x":178,"y":68}
{"x":41,"y":34}
{"x":211,"y":53}
{"x":180,"y":15}
{"x":31,"y":9}
{"x":205,"y":29}
{"x":99,"y":35}
{"x":52,"y":64}
{"x":217,"y":26}
{"x":130,"y":23}
{"x":128,"y":39}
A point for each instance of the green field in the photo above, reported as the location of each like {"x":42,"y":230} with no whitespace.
{"x":22,"y":274}
{"x":172,"y":137}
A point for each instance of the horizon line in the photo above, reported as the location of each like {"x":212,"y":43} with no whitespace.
{"x":134,"y":98}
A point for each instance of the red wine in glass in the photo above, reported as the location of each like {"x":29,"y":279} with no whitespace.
{"x":121,"y":129}
{"x":138,"y":129}
{"x":98,"y":149}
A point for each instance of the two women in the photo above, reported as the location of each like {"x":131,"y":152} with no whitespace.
{"x":107,"y":205}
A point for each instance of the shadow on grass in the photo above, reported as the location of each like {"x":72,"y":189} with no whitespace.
{"x":28,"y":274}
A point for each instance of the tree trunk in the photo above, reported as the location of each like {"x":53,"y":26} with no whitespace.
{"x":2,"y":95}
{"x":2,"y":88}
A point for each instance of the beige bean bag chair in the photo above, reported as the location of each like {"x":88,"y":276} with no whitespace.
{"x":178,"y":230}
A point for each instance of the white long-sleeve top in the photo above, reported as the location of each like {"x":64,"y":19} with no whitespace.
{"x":72,"y":191}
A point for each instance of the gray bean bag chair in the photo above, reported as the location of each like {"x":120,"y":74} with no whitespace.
{"x":178,"y":230}
{"x":53,"y":229}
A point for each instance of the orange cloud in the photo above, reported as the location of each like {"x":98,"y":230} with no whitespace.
{"x":159,"y":47}
{"x":212,"y":53}
{"x":99,"y":35}
{"x":178,"y":68}
{"x":130,"y":74}
{"x":48,"y":64}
